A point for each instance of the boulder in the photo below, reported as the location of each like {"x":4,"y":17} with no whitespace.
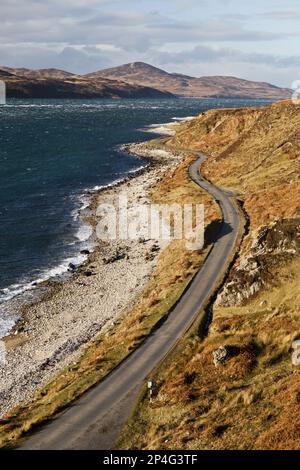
{"x":89,"y":273}
{"x":220,"y":355}
{"x":71,"y":267}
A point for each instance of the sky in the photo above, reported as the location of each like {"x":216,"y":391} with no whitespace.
{"x":256,"y":40}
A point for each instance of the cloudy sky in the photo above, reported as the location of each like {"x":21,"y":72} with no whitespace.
{"x":258,"y":40}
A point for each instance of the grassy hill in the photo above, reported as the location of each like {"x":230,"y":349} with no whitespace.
{"x":252,"y":400}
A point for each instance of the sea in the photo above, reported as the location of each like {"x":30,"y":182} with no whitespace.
{"x":53,"y":155}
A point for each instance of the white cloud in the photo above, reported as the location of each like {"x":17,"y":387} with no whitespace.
{"x":86,"y":35}
{"x":204,"y":53}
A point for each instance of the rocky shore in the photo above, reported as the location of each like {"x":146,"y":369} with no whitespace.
{"x":53,"y":331}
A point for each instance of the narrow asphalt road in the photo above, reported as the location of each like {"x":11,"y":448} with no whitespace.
{"x":90,"y":422}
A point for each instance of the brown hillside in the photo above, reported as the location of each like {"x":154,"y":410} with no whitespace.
{"x":252,"y":399}
{"x":184,"y":85}
{"x":51,"y":83}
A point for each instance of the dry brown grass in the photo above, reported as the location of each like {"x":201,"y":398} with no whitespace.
{"x":283,"y":434}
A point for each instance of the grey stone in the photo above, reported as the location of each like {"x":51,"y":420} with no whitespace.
{"x":220,"y":355}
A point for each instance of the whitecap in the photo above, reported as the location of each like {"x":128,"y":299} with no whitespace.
{"x":84,"y":232}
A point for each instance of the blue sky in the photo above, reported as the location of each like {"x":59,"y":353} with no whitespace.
{"x":257,"y":40}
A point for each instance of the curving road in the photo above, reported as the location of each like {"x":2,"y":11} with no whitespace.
{"x":93,"y":422}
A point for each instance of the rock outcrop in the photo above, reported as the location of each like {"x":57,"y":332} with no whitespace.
{"x":271,"y":247}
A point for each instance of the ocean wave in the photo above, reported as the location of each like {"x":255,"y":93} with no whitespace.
{"x":7,"y":322}
{"x":105,"y":186}
{"x":160,"y":129}
{"x":14,"y":290}
{"x":183,"y":119}
{"x":82,"y":202}
{"x":19,"y":105}
{"x":84,"y":232}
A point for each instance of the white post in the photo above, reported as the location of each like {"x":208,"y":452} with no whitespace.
{"x":150,"y":385}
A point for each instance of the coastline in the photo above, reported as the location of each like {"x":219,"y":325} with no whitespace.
{"x":30,"y":292}
{"x":54,"y":329}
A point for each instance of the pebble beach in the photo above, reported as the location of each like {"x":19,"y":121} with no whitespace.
{"x":53,"y":331}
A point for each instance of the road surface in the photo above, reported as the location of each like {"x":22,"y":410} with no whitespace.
{"x":94,"y":420}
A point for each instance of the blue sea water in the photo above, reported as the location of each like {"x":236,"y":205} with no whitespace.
{"x":51,"y":153}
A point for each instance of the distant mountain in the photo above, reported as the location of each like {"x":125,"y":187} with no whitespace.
{"x":52,"y":83}
{"x":40,"y":73}
{"x":135,"y":80}
{"x":183,"y":85}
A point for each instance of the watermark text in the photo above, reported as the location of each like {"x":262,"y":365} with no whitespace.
{"x":152,"y":221}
